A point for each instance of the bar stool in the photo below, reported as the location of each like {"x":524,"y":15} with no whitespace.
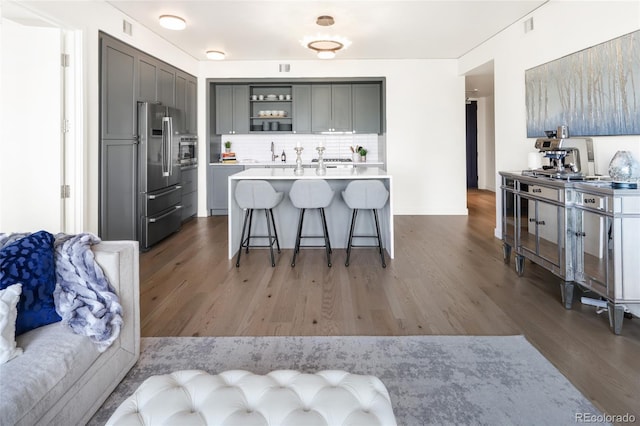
{"x":365,"y":194}
{"x":257,"y":194}
{"x":311,"y":194}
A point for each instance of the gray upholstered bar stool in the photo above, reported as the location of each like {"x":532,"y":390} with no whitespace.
{"x":365,"y":194}
{"x":311,"y":194}
{"x":257,"y":194}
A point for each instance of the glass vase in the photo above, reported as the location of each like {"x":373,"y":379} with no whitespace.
{"x":624,"y":168}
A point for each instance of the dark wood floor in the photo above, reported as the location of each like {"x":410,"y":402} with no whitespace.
{"x":448,"y":277}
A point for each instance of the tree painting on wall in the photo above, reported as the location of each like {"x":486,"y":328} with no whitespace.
{"x":596,"y":91}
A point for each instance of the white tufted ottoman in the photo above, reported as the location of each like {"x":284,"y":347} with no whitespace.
{"x":237,"y":397}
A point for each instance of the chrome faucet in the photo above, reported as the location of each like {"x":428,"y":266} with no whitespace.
{"x":274,"y":156}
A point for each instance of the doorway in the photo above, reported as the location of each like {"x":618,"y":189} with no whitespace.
{"x":472,"y":144}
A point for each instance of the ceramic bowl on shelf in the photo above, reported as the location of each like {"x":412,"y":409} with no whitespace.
{"x":271,"y":97}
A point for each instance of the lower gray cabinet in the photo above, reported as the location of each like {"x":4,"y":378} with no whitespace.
{"x":189,"y":176}
{"x":118,"y":189}
{"x":218,"y":187}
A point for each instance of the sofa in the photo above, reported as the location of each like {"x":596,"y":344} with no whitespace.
{"x":61,"y":378}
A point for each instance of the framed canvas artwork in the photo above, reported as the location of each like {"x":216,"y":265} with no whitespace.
{"x":595,"y":92}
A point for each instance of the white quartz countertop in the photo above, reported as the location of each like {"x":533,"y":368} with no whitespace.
{"x":293,"y":163}
{"x":279,"y":173}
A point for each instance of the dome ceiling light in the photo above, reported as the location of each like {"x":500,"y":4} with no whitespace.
{"x":324,"y":45}
{"x":172,"y":22}
{"x":216,"y":55}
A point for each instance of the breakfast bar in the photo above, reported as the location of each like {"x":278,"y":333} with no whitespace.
{"x":338,"y":213}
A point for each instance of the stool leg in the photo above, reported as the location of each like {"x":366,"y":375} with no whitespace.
{"x":274,"y":230}
{"x":249,"y":231}
{"x":375,"y":215}
{"x":266,"y":215}
{"x":297,"y":247}
{"x":244,"y":226}
{"x":350,"y":241}
{"x":327,"y":243}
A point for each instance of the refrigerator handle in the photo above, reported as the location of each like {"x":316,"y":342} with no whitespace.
{"x":166,"y":141}
{"x":170,"y":146}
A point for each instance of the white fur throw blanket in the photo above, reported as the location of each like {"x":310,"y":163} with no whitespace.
{"x":83,"y":296}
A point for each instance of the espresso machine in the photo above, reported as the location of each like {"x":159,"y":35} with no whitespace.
{"x":568,"y":159}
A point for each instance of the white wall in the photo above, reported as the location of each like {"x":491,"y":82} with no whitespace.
{"x":486,"y":144}
{"x":30,"y":137}
{"x":425,"y":114}
{"x":560,"y":28}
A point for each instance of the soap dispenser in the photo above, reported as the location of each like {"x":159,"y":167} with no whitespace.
{"x":283,"y":157}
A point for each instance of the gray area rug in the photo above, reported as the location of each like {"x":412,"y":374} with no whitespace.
{"x":432,"y":380}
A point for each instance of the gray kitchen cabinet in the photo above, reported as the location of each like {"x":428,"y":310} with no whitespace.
{"x":186,"y":101}
{"x":118,"y":144}
{"x":331,"y":108}
{"x":166,"y":85}
{"x":301,"y":95}
{"x":147,"y":79}
{"x":156,"y":80}
{"x":219,"y":187}
{"x":191,"y":105}
{"x":189,"y":182}
{"x":128,"y":75}
{"x":118,"y":94}
{"x":367,"y":108}
{"x":181,"y":99}
{"x":232,"y":109}
{"x":118,"y":190}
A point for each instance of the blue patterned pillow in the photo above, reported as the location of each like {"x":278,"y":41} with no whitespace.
{"x":30,"y":261}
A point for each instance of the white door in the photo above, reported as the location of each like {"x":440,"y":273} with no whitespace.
{"x":31,"y":146}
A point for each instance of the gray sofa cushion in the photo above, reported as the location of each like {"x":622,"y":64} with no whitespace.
{"x":54,"y":358}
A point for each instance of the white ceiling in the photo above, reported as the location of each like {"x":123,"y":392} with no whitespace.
{"x":272,"y":29}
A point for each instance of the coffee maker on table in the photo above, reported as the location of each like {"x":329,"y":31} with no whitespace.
{"x":567,"y":158}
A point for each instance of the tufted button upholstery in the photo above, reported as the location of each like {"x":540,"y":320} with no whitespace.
{"x":237,"y":397}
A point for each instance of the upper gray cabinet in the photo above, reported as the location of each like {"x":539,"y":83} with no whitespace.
{"x":166,"y":85}
{"x":186,"y":101}
{"x":367,"y":108}
{"x":331,"y":108}
{"x":118,"y":94}
{"x":191,"y":106}
{"x":301,"y":95}
{"x":232,"y":109}
{"x":147,"y":79}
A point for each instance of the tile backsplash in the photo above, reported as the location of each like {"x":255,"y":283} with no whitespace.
{"x":258,"y":147}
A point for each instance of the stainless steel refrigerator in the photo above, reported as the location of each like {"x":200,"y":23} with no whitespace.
{"x":159,"y":190}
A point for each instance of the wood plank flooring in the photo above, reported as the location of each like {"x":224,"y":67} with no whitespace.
{"x":448,"y":278}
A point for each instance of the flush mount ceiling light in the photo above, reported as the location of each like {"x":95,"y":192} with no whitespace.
{"x":324,"y":45}
{"x":216,"y":55}
{"x":172,"y":22}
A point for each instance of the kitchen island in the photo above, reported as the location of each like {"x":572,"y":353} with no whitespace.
{"x":338,"y":214}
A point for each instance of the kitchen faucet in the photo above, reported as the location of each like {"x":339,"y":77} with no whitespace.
{"x":274,"y":156}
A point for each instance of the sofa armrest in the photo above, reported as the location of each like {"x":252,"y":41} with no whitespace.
{"x":120,"y":261}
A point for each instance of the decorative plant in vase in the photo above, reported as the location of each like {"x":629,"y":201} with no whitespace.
{"x":227,"y":146}
{"x":363,"y":154}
